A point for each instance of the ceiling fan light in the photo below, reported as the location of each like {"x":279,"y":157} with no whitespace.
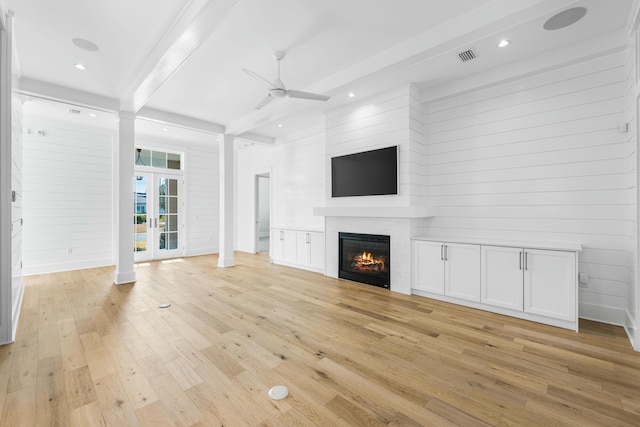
{"x":278,"y":93}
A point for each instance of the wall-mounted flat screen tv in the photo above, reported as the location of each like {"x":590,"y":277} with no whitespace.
{"x":369,"y":173}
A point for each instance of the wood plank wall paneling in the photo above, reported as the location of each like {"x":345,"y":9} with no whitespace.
{"x":540,"y":158}
{"x":17,"y":211}
{"x":68,"y":196}
{"x":393,"y":118}
{"x":202,"y":199}
{"x":631,"y":86}
{"x":297,"y":185}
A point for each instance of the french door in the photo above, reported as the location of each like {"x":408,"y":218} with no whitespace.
{"x":158,"y":224}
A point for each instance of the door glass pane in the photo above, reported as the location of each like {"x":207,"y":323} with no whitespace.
{"x":173,"y":161}
{"x":173,"y":240}
{"x":163,"y":240}
{"x":140,"y":213}
{"x":143,"y":157}
{"x":173,"y":187}
{"x":159,"y":159}
{"x":173,"y":222}
{"x":173,"y":205}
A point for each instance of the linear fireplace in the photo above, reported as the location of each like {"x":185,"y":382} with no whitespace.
{"x":364,"y":258}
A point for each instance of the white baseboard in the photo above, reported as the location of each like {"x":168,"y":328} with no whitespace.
{"x":612,"y":316}
{"x":631,"y":329}
{"x":30,"y":270}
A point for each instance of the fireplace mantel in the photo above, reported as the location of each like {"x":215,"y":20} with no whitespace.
{"x":376,"y":211}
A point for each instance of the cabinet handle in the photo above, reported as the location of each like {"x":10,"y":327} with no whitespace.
{"x":526,"y":261}
{"x":441,"y":252}
{"x":281,"y":235}
{"x":520,"y":260}
{"x":445,"y":253}
{"x":308,"y":238}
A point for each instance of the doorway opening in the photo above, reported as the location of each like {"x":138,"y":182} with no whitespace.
{"x":158,"y":224}
{"x":263,"y":212}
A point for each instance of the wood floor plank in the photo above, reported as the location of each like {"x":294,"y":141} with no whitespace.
{"x":91,"y":353}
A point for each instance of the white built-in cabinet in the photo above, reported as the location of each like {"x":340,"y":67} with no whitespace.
{"x":530,"y":283}
{"x":450,"y":269}
{"x":298,"y":248}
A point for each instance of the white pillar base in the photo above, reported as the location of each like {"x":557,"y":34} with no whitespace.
{"x":226,"y":262}
{"x":124,"y":278}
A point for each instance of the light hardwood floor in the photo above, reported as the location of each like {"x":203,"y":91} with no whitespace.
{"x":92,"y":353}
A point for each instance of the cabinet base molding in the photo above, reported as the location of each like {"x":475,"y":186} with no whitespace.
{"x":294,"y":265}
{"x":499,"y":310}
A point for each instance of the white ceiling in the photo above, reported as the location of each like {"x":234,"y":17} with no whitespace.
{"x":186,"y":57}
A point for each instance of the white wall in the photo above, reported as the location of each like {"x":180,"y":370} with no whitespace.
{"x":297,"y":174}
{"x":68,"y":196}
{"x":631,"y":93}
{"x":17,"y":211}
{"x":393,"y":118}
{"x":203,"y":198}
{"x":539,"y":158}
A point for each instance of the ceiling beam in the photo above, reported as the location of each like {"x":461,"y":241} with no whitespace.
{"x":65,"y":94}
{"x":257,"y":138}
{"x":445,"y":37}
{"x":179,"y":120}
{"x":197,"y":21}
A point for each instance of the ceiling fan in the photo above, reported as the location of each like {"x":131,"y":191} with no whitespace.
{"x":277,"y":89}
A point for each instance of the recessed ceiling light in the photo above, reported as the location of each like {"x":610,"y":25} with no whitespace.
{"x":280,"y":125}
{"x":80,"y":66}
{"x":92,"y":115}
{"x":504,"y":43}
{"x":85,"y":44}
{"x":352,"y":95}
{"x":165,"y":129}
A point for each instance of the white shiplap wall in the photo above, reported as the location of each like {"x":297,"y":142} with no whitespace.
{"x":393,"y":118}
{"x":68,"y":196}
{"x":296,"y":168}
{"x":203,"y":198}
{"x":539,"y":158}
{"x":631,"y":88}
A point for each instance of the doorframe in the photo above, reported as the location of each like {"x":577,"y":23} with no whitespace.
{"x":256,"y":211}
{"x":153,"y":253}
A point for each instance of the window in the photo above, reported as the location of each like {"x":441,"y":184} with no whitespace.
{"x":158,"y":159}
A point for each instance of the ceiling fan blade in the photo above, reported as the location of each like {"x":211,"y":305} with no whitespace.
{"x":264,"y":102}
{"x":306,"y":95}
{"x":260,"y":78}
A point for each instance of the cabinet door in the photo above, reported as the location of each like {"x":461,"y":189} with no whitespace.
{"x":501,"y":282}
{"x":316,"y":249}
{"x":462,"y":271}
{"x":428,"y":273}
{"x":550,"y":283}
{"x":303,"y":252}
{"x":290,"y":246}
{"x":277,"y":244}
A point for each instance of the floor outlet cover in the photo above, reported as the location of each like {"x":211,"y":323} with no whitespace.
{"x":278,"y":392}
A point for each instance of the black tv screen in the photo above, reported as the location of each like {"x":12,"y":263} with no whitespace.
{"x":369,"y":173}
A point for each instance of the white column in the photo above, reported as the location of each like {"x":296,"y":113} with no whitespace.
{"x":5,"y":186}
{"x":124,"y":155}
{"x":225,"y":256}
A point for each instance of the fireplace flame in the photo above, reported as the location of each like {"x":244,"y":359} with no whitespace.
{"x":366,"y":259}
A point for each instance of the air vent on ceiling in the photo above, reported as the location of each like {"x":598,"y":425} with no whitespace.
{"x":74,"y":111}
{"x":467,"y":55}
